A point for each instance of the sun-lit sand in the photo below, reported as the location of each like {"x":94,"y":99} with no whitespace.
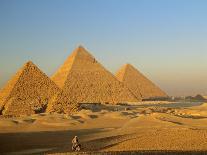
{"x":108,"y":128}
{"x":115,"y":119}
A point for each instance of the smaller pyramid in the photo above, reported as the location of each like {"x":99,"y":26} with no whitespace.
{"x":61,"y":103}
{"x":28,"y":92}
{"x":87,"y":81}
{"x":138,"y":83}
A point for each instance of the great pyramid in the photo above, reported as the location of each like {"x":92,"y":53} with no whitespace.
{"x":28,"y":92}
{"x":87,"y":81}
{"x":138,"y":83}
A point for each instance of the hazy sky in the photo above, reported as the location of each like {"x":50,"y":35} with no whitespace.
{"x":165,"y":39}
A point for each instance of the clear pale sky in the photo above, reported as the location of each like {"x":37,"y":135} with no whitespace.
{"x":165,"y":39}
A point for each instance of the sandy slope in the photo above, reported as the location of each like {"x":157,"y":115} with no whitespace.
{"x":108,"y":129}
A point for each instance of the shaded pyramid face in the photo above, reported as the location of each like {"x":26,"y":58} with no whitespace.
{"x":87,"y":81}
{"x":138,"y":83}
{"x":61,"y":103}
{"x":28,"y":92}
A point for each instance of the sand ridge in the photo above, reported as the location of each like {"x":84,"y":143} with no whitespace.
{"x":113,"y":129}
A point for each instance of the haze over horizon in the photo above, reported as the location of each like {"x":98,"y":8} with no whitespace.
{"x":165,"y":40}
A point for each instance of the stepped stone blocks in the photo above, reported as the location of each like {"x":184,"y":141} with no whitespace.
{"x":4,"y":93}
{"x":61,"y":103}
{"x":28,"y":92}
{"x":138,"y":83}
{"x":87,"y":81}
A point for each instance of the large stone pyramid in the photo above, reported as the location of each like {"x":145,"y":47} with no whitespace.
{"x":138,"y":83}
{"x":28,"y":92}
{"x":87,"y":81}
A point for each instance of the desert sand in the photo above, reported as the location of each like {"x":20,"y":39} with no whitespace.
{"x":157,"y":126}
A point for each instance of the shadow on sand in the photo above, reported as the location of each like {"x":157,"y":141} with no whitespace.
{"x":59,"y":142}
{"x":25,"y":141}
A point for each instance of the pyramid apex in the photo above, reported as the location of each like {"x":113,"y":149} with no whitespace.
{"x":81,"y":48}
{"x":128,"y":65}
{"x":29,"y":63}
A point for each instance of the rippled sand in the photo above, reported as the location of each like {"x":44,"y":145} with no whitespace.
{"x":108,"y":128}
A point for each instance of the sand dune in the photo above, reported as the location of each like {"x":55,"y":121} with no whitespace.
{"x":113,"y":129}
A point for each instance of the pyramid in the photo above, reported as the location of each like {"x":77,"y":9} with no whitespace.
{"x":61,"y":103}
{"x":87,"y":81}
{"x":138,"y":83}
{"x":28,"y":92}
